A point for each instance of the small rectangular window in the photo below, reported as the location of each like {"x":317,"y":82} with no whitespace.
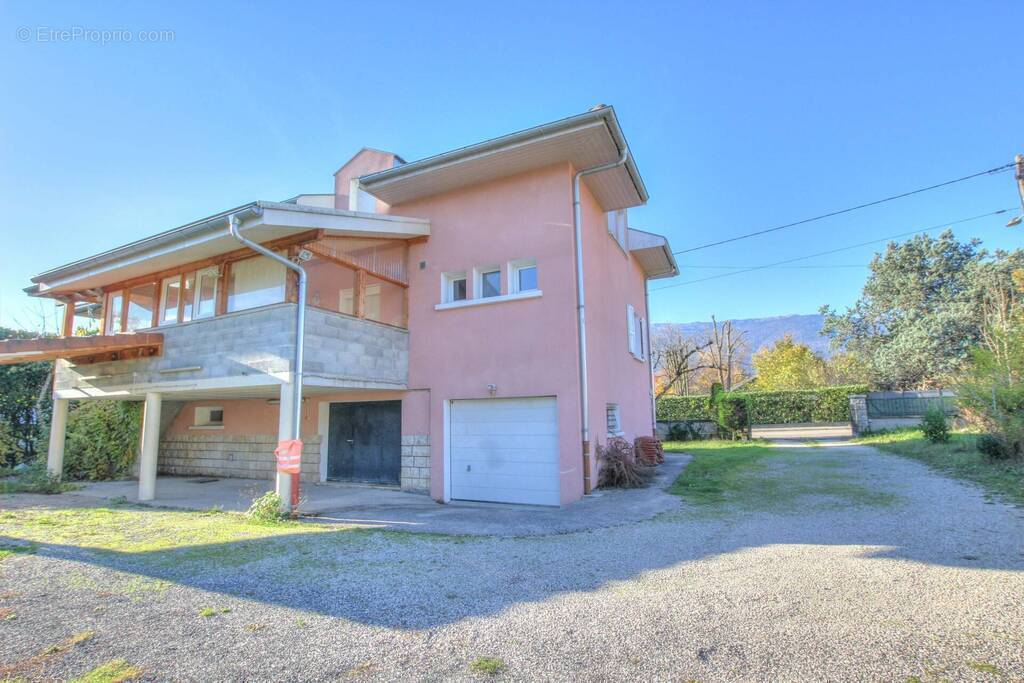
{"x":454,"y":287}
{"x":612,"y":413}
{"x":490,"y":283}
{"x":209,"y":416}
{"x":522,"y":276}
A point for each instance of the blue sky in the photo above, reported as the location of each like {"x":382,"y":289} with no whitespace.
{"x":740,"y":116}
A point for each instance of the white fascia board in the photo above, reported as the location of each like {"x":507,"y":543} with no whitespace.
{"x":276,"y":220}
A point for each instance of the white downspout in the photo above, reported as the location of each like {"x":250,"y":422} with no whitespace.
{"x":581,"y":322}
{"x":300,"y":322}
{"x":650,"y":356}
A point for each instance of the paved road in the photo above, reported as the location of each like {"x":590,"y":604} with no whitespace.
{"x":926,"y":579}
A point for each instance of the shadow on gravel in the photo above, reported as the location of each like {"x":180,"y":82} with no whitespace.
{"x":414,"y":581}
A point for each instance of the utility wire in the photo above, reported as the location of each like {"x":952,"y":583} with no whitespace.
{"x":990,"y":171}
{"x":837,"y":250}
{"x":834,"y":265}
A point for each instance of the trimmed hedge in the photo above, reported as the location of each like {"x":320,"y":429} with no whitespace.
{"x":680,"y":408}
{"x":831,"y":404}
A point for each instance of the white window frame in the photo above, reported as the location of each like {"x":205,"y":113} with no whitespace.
{"x":202,"y":418}
{"x":513,"y":275}
{"x":448,"y":281}
{"x":478,"y":280}
{"x":164,"y":286}
{"x":613,"y":419}
{"x":213,"y":272}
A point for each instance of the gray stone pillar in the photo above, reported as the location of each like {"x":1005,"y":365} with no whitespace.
{"x":859,"y":413}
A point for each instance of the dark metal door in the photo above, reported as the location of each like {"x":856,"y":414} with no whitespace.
{"x":365,"y":442}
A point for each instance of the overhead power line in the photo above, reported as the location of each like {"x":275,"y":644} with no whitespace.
{"x":997,"y":169}
{"x":835,"y":251}
{"x":830,"y":265}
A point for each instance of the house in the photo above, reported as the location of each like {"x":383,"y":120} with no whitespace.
{"x":470,"y":331}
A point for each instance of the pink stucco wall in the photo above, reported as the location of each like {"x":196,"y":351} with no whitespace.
{"x":527,"y":347}
{"x":257,"y":416}
{"x":365,"y":161}
{"x":612,"y":278}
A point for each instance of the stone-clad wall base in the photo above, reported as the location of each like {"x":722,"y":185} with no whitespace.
{"x":416,"y":462}
{"x":241,"y":456}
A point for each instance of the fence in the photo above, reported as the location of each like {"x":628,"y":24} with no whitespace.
{"x":879,"y":410}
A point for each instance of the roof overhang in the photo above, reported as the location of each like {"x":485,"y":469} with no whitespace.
{"x":585,"y":140}
{"x":653,"y":253}
{"x":82,"y":350}
{"x":207,"y":238}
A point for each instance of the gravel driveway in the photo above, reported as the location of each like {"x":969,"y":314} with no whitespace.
{"x":928,"y":585}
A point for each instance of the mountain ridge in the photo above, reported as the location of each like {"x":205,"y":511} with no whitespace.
{"x":761,"y":332}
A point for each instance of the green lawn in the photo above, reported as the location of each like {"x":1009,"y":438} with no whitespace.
{"x":755,"y":476}
{"x":958,"y":458}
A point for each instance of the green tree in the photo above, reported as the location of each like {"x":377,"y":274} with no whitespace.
{"x":25,"y":404}
{"x":921,"y":310}
{"x":991,"y":389}
{"x":788,"y":365}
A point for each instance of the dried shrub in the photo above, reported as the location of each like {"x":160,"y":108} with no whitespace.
{"x":619,"y":467}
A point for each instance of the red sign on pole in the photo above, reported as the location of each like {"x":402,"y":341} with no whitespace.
{"x":289,"y":456}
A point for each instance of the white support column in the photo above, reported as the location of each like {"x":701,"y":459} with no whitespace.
{"x":150,"y":446}
{"x":58,"y":430}
{"x":284,"y":431}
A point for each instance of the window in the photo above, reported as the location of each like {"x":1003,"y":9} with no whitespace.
{"x":255,"y":282}
{"x":618,"y":227}
{"x":522,"y":276}
{"x":635,"y":333}
{"x":113,"y":325}
{"x":141,"y":300}
{"x":614,"y":423}
{"x":209,"y":417}
{"x":170,"y":297}
{"x":206,"y":293}
{"x":188,"y":291}
{"x":487,"y":282}
{"x":454,"y":285}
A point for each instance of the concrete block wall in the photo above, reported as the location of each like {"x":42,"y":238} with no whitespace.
{"x":255,"y":343}
{"x":706,"y":429}
{"x":231,"y":455}
{"x":416,"y":462}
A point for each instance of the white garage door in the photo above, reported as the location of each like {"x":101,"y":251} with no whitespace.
{"x":505,"y":450}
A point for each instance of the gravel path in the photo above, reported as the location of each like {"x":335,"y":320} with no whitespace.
{"x":930,"y":584}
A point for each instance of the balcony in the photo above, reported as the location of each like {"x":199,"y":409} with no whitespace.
{"x":248,"y":352}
